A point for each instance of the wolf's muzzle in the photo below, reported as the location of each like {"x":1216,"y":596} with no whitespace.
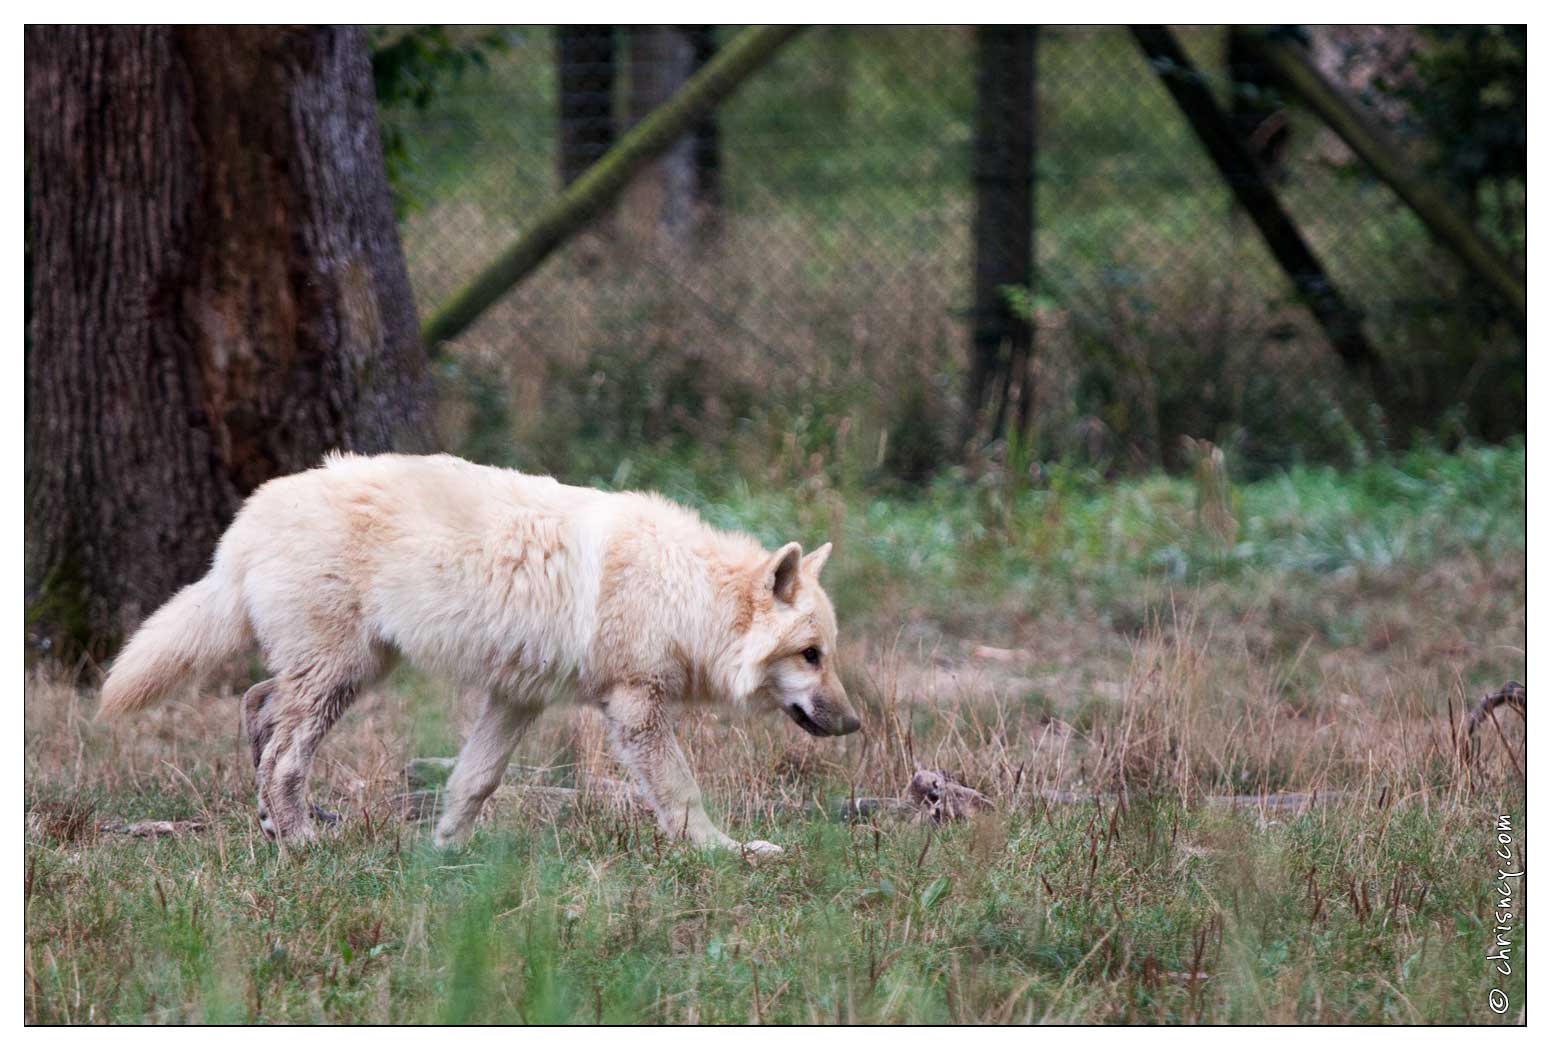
{"x":837,"y":724}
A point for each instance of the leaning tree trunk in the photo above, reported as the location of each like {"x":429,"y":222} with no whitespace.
{"x":219,"y":297}
{"x":1341,"y":323}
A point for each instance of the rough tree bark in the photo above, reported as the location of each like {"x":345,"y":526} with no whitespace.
{"x":219,"y":297}
{"x":1003,"y":228}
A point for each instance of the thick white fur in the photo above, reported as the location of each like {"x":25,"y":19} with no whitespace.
{"x":527,"y":588}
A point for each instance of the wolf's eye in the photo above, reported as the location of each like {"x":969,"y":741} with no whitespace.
{"x":811,"y":654}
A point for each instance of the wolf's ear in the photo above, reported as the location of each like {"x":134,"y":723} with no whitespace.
{"x":781,"y":572}
{"x":813,"y":561}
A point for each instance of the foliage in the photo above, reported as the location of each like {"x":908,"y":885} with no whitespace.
{"x":1465,"y":100}
{"x":410,"y":67}
{"x":1470,"y":98}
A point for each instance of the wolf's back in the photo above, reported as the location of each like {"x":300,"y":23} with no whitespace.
{"x":198,"y":628}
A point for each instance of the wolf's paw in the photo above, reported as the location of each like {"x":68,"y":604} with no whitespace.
{"x":760,"y":848}
{"x":295,"y":839}
{"x":327,"y":819}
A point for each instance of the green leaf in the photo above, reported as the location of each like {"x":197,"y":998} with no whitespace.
{"x":935,"y":892}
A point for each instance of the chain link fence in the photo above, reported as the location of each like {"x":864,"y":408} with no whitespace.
{"x":792,"y":285}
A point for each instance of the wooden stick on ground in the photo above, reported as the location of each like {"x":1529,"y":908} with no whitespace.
{"x":1511,"y":694}
{"x":931,"y":796}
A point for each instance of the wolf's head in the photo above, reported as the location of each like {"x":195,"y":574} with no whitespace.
{"x":792,"y":644}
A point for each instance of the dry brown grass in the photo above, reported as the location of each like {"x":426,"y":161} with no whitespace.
{"x":1196,"y":705}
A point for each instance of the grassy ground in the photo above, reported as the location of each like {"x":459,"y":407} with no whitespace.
{"x":1311,"y":631}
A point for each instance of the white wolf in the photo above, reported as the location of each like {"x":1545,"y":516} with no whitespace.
{"x":516,"y":584}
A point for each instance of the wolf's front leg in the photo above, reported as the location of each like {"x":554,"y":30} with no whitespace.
{"x":642,"y":735}
{"x":480,"y":765}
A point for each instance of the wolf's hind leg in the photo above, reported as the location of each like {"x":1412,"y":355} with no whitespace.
{"x":298,"y":717}
{"x":257,"y":719}
{"x":642,"y":736}
{"x":477,"y":773}
{"x":258,"y":722}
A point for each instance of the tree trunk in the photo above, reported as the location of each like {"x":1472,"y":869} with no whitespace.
{"x":661,"y":200}
{"x":219,"y":297}
{"x":1004,"y":228}
{"x":586,"y":58}
{"x":708,"y":137}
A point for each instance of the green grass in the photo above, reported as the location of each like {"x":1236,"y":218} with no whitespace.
{"x":1329,"y":646}
{"x":1072,"y":914}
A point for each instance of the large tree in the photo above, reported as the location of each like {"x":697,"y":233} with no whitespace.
{"x":218,"y":296}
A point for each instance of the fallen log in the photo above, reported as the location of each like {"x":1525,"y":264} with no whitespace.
{"x":151,"y":829}
{"x":931,"y":796}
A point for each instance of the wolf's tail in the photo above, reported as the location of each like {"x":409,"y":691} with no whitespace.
{"x":201,"y":626}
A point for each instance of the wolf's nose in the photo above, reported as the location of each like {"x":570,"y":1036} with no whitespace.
{"x":849,"y":725}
